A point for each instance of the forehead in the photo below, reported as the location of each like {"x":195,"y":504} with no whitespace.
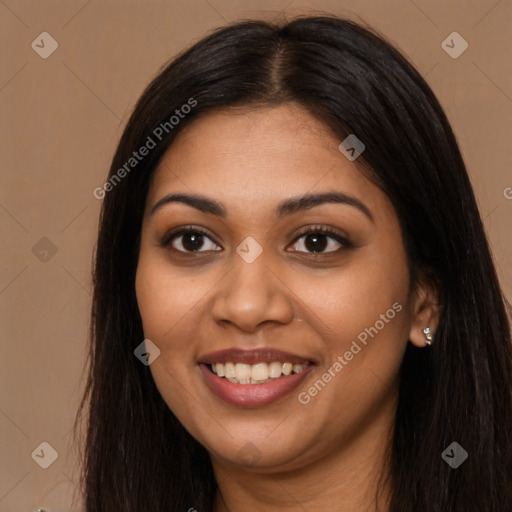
{"x":260,"y":155}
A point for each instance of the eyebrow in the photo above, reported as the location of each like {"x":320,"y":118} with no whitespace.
{"x":287,"y":207}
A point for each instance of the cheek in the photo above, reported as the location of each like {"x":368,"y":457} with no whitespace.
{"x":169,"y":301}
{"x":362,"y":318}
{"x":165,"y":302}
{"x":361,"y":314}
{"x":166,"y":297}
{"x":357,"y":299}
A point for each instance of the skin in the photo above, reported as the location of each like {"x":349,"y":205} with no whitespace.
{"x":332,"y":449}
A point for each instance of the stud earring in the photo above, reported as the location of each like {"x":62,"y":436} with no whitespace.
{"x":428,"y":335}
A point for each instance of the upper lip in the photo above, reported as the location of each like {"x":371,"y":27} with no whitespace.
{"x":254,"y":356}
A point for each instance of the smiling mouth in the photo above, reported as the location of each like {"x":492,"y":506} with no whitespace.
{"x":245,"y":391}
{"x":256,"y":377}
{"x":259,"y":373}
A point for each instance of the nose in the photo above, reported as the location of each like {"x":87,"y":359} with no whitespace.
{"x":252,"y":294}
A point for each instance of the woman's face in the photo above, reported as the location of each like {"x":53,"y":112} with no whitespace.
{"x":230,"y":276}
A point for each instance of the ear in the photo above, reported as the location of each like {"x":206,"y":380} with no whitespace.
{"x":426,"y":309}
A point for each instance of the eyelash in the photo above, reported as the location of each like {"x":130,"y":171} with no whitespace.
{"x":320,"y":230}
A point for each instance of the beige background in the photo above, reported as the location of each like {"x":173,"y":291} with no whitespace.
{"x":60,"y":120}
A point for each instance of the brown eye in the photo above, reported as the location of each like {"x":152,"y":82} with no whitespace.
{"x":191,"y":240}
{"x":320,"y":240}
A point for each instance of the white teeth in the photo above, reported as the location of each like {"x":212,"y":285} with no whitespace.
{"x":220,"y":369}
{"x":287,"y":368}
{"x":229,"y":370}
{"x":275,"y":369}
{"x":241,"y":373}
{"x":259,"y":371}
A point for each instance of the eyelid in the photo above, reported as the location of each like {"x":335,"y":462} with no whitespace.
{"x":327,"y":232}
{"x":168,"y":238}
{"x":181,"y":230}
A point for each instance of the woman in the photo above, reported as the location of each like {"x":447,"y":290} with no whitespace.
{"x":295,"y":305}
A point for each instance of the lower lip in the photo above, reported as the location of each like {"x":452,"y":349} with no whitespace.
{"x":253,"y":395}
